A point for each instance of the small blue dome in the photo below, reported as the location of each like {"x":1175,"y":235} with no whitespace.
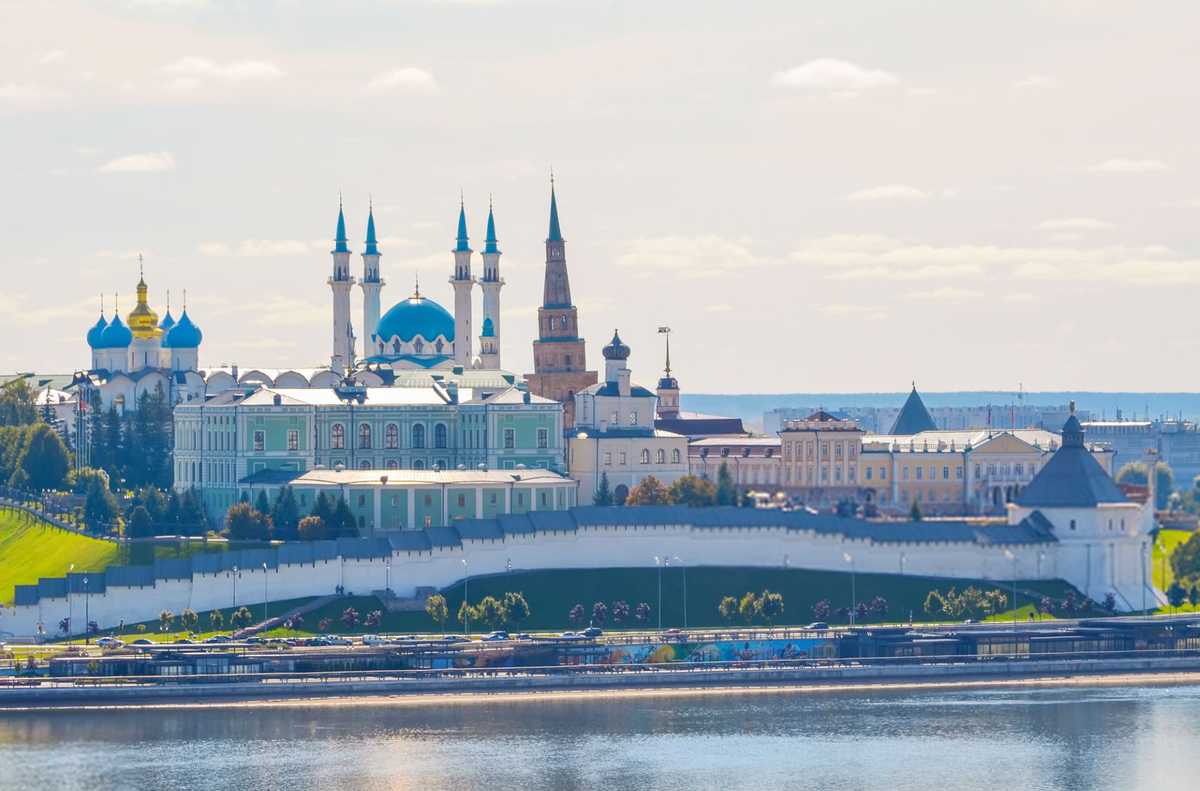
{"x":165,"y":325}
{"x":616,"y":349}
{"x":416,"y":316}
{"x":116,"y":335}
{"x":489,"y":329}
{"x":95,"y":333}
{"x":185,"y":334}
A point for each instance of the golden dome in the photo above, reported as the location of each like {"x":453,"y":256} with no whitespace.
{"x":143,"y":322}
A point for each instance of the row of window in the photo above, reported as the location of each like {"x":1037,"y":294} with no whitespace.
{"x":660,"y":457}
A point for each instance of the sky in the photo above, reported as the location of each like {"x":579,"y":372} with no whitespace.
{"x":814,"y":196}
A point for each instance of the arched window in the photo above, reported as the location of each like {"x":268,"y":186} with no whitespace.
{"x":645,"y":456}
{"x":438,"y":345}
{"x":675,"y":456}
{"x":418,"y":464}
{"x":439,"y":435}
{"x":396,"y":347}
{"x":392,"y":465}
{"x":364,"y":437}
{"x":365,"y":464}
{"x":338,"y":437}
{"x":391,"y":436}
{"x":419,"y":345}
{"x":563,"y":324}
{"x":1019,"y":468}
{"x":418,"y":438}
{"x":567,"y":360}
{"x":662,"y":456}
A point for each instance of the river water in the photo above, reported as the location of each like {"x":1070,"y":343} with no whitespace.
{"x":1022,"y":740}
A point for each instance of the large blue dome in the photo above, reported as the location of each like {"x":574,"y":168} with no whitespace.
{"x":185,"y":334}
{"x":94,"y":334}
{"x":165,"y":325}
{"x":416,"y":316}
{"x":116,"y":335}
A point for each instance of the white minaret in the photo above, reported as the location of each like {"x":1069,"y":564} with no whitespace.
{"x":341,"y":283}
{"x":491,"y":283}
{"x":462,"y":283}
{"x":371,"y":284}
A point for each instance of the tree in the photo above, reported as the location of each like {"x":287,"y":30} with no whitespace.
{"x":322,"y":508}
{"x":575,"y":616}
{"x":100,"y":506}
{"x":491,"y":612}
{"x":726,"y":490}
{"x":189,"y":620}
{"x":45,"y":459}
{"x":373,"y":619}
{"x":860,"y":612}
{"x":603,"y":495}
{"x":1176,"y":594}
{"x":285,"y":514}
{"x":241,"y":619}
{"x":843,"y":613}
{"x":435,"y":606}
{"x":64,"y":625}
{"x":297,"y":622}
{"x":620,"y":613}
{"x":1194,"y":595}
{"x":599,"y":614}
{"x":727,"y":609}
{"x":93,"y":628}
{"x":140,"y":524}
{"x":350,"y":618}
{"x":1046,"y":607}
{"x":935,"y":604}
{"x":311,"y":528}
{"x":748,"y":607}
{"x":19,"y":480}
{"x":261,"y":503}
{"x":650,"y":491}
{"x":247,"y":524}
{"x":914,"y":513}
{"x":1185,"y":560}
{"x":516,"y":609}
{"x":343,"y":525}
{"x":466,"y":614}
{"x":1069,"y":602}
{"x":994,"y":602}
{"x":820,"y":610}
{"x":216,"y":620}
{"x":17,"y":403}
{"x":693,"y":491}
{"x":323,"y":625}
{"x":1137,"y":473}
{"x":879,"y":607}
{"x":641,"y":614}
{"x":166,"y":619}
{"x":1087,"y":605}
{"x":770,"y":606}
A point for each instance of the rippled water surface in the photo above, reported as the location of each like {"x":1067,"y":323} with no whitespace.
{"x":1111,"y":738}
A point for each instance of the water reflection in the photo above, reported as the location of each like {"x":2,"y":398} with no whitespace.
{"x":1039,"y":739}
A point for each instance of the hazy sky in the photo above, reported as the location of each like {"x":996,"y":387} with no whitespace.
{"x":815,"y":196}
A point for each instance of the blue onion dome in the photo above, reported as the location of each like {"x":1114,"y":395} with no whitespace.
{"x":165,"y":325}
{"x":416,"y":316}
{"x":95,"y":333}
{"x":616,"y":349}
{"x":489,"y":329}
{"x":116,"y":335}
{"x":185,"y":334}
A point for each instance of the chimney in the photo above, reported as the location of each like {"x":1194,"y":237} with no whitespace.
{"x":1150,"y":456}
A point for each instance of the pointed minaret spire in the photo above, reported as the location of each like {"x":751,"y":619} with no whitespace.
{"x":372,"y":249}
{"x":555,"y":232}
{"x":102,"y":306}
{"x":490,"y":284}
{"x":463,"y":283}
{"x":462,"y":246}
{"x":340,"y":240}
{"x":490,"y":242}
{"x":340,"y":284}
{"x":371,"y":282}
{"x":417,"y":291}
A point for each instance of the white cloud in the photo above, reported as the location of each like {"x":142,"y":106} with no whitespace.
{"x":918,"y":92}
{"x":1074,"y":224}
{"x":254,"y":248}
{"x":870,"y":312}
{"x":946,"y":294}
{"x":1020,"y":297}
{"x":1066,"y":237}
{"x":195,"y":5}
{"x":1190,"y":203}
{"x":184,"y":83}
{"x":279,"y":311}
{"x":59,"y":172}
{"x":405,"y":77}
{"x":139,"y":163}
{"x":718,"y":307}
{"x":829,"y":74}
{"x":1129,"y":166}
{"x":88,"y":152}
{"x":889,"y":192}
{"x":1034,"y":81}
{"x":196,"y":67}
{"x":425,"y":224}
{"x":50,"y":57}
{"x":29,"y":93}
{"x":686,"y":257}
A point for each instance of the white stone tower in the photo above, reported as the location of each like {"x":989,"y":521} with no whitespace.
{"x":341,"y":283}
{"x":490,"y":283}
{"x":463,"y":284}
{"x":371,"y":284}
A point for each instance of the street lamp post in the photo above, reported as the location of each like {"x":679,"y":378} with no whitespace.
{"x":1162,"y":572}
{"x":466,"y":598}
{"x":853,"y":592}
{"x":70,"y":609}
{"x":387,"y":575}
{"x":1143,"y":579}
{"x":265,"y":598}
{"x":681,"y":563}
{"x":87,"y":613}
{"x":1008,"y":554}
{"x":658,"y":562}
{"x":234,"y":605}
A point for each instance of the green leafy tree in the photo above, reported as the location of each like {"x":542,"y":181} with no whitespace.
{"x":1185,"y":560}
{"x":1176,"y":594}
{"x":466,"y":614}
{"x":1193,"y":595}
{"x":693,"y":491}
{"x":216,"y":620}
{"x":994,"y":602}
{"x":650,"y":491}
{"x":728,"y":609}
{"x":575,"y":616}
{"x":726,"y":490}
{"x":45,"y":459}
{"x":491,"y":612}
{"x":189,"y":620}
{"x":323,"y":508}
{"x":770,"y":606}
{"x":603,"y":495}
{"x":620,"y":614}
{"x":140,"y":524}
{"x":17,"y":404}
{"x":516,"y":609}
{"x":641,"y":614}
{"x":820,"y":610}
{"x":100,"y":506}
{"x":247,"y":524}
{"x":261,"y":503}
{"x":748,"y":607}
{"x":914,"y":513}
{"x":165,"y":620}
{"x":285,"y":514}
{"x":599,"y":614}
{"x":19,"y":480}
{"x":311,"y":528}
{"x":1137,"y":473}
{"x":437,"y":610}
{"x":935,"y":605}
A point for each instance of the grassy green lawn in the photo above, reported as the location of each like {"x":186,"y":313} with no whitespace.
{"x":152,"y":628}
{"x":1161,"y":569}
{"x":551,"y":595}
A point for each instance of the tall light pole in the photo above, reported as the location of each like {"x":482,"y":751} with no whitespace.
{"x":1008,"y":554}
{"x":853,"y":592}
{"x":1162,"y":572}
{"x":658,"y":562}
{"x":1143,"y":579}
{"x":70,"y":609}
{"x":680,"y":562}
{"x":466,"y":598}
{"x":265,"y":599}
{"x":234,"y":587}
{"x":387,"y":576}
{"x":87,"y":613}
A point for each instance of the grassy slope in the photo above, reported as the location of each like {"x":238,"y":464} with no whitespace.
{"x":33,"y":549}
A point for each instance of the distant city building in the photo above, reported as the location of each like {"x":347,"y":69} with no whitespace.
{"x":1177,"y":443}
{"x":881,"y":419}
{"x":692,"y":425}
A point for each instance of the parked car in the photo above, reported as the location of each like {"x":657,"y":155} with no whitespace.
{"x":593,"y":631}
{"x":185,"y":641}
{"x":218,"y":638}
{"x":570,"y":635}
{"x":524,"y":636}
{"x":109,"y":642}
{"x":492,"y":637}
{"x":452,"y":639}
{"x":333,"y":639}
{"x":316,"y":641}
{"x":255,"y":640}
{"x":817,"y":625}
{"x":374,"y":639}
{"x":142,"y":641}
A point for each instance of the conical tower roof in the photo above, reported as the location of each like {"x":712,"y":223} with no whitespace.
{"x":914,"y":417}
{"x":1072,"y":478}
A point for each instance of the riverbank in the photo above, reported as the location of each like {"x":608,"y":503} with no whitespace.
{"x":536,"y":682}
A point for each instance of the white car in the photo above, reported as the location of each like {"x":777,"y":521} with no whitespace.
{"x":109,"y":642}
{"x":374,"y":639}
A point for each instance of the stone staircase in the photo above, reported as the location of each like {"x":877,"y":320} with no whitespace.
{"x":271,"y":623}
